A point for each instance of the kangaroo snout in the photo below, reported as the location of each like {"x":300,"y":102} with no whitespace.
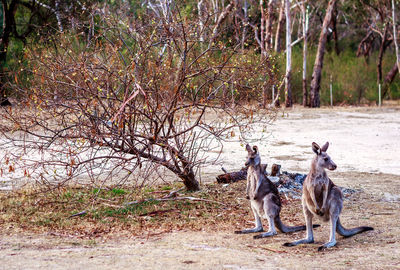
{"x":332,"y":167}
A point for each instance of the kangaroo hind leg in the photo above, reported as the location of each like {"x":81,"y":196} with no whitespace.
{"x":271,"y":210}
{"x":332,"y":238}
{"x":310,"y":236}
{"x":258,"y":227}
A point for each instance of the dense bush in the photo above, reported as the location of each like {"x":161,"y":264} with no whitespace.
{"x":354,"y":79}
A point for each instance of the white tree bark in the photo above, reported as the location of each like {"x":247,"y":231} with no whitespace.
{"x":161,"y":8}
{"x":221,"y":18}
{"x":268,"y":25}
{"x":58,"y":16}
{"x":246,"y":19}
{"x":305,"y":33}
{"x":216,"y":9}
{"x":262,"y":27}
{"x":200,"y":10}
{"x":395,"y":35}
{"x":288,"y":90}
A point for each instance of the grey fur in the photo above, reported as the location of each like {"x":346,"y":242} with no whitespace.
{"x":323,"y":199}
{"x":264,"y":198}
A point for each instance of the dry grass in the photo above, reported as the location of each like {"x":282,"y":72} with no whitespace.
{"x":107,"y":211}
{"x":186,"y":229}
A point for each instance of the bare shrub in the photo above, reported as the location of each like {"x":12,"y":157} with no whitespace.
{"x":139,"y":96}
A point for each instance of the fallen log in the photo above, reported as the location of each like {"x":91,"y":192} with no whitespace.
{"x":242,"y":174}
{"x":232,"y":177}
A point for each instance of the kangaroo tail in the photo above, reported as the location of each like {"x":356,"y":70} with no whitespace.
{"x":350,"y":232}
{"x":286,"y":229}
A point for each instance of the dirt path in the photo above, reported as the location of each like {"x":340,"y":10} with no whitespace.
{"x":371,"y":168}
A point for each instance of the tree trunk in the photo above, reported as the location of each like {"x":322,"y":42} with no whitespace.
{"x":246,"y":20}
{"x":382,"y":48}
{"x":279,"y":27}
{"x":392,"y":74}
{"x":200,"y":10}
{"x":389,"y":78}
{"x":190,"y":182}
{"x":265,"y":96}
{"x":9,"y":21}
{"x":364,"y":48}
{"x":262,"y":29}
{"x":288,"y":88}
{"x":316,"y":77}
{"x":268,"y":30}
{"x":220,"y":20}
{"x":334,"y":31}
{"x":396,"y":45}
{"x":305,"y":33}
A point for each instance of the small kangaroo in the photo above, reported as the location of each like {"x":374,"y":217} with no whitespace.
{"x":322,"y":198}
{"x":264,"y":198}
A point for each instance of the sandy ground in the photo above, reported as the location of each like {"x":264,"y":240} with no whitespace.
{"x":365,"y":144}
{"x":361,"y":139}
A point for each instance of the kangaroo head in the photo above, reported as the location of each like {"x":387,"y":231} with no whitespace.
{"x":323,"y":160}
{"x":253,"y":157}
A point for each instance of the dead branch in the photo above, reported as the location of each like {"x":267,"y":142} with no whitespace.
{"x":173,"y":194}
{"x":78,"y":214}
{"x":265,"y":248}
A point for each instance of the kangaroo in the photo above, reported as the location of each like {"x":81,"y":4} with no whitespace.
{"x":322,"y":198}
{"x":264,"y":198}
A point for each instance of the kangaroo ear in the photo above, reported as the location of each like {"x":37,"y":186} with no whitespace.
{"x":316,"y":148}
{"x":264,"y":168}
{"x":325,"y":147}
{"x":248,"y":148}
{"x":255,"y":149}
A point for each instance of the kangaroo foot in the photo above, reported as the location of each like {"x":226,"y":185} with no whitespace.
{"x":263,"y":235}
{"x":254,"y":230}
{"x":295,"y":243}
{"x":327,"y":245}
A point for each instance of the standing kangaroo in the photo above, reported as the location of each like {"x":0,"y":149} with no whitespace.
{"x":322,"y":198}
{"x":264,"y":198}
